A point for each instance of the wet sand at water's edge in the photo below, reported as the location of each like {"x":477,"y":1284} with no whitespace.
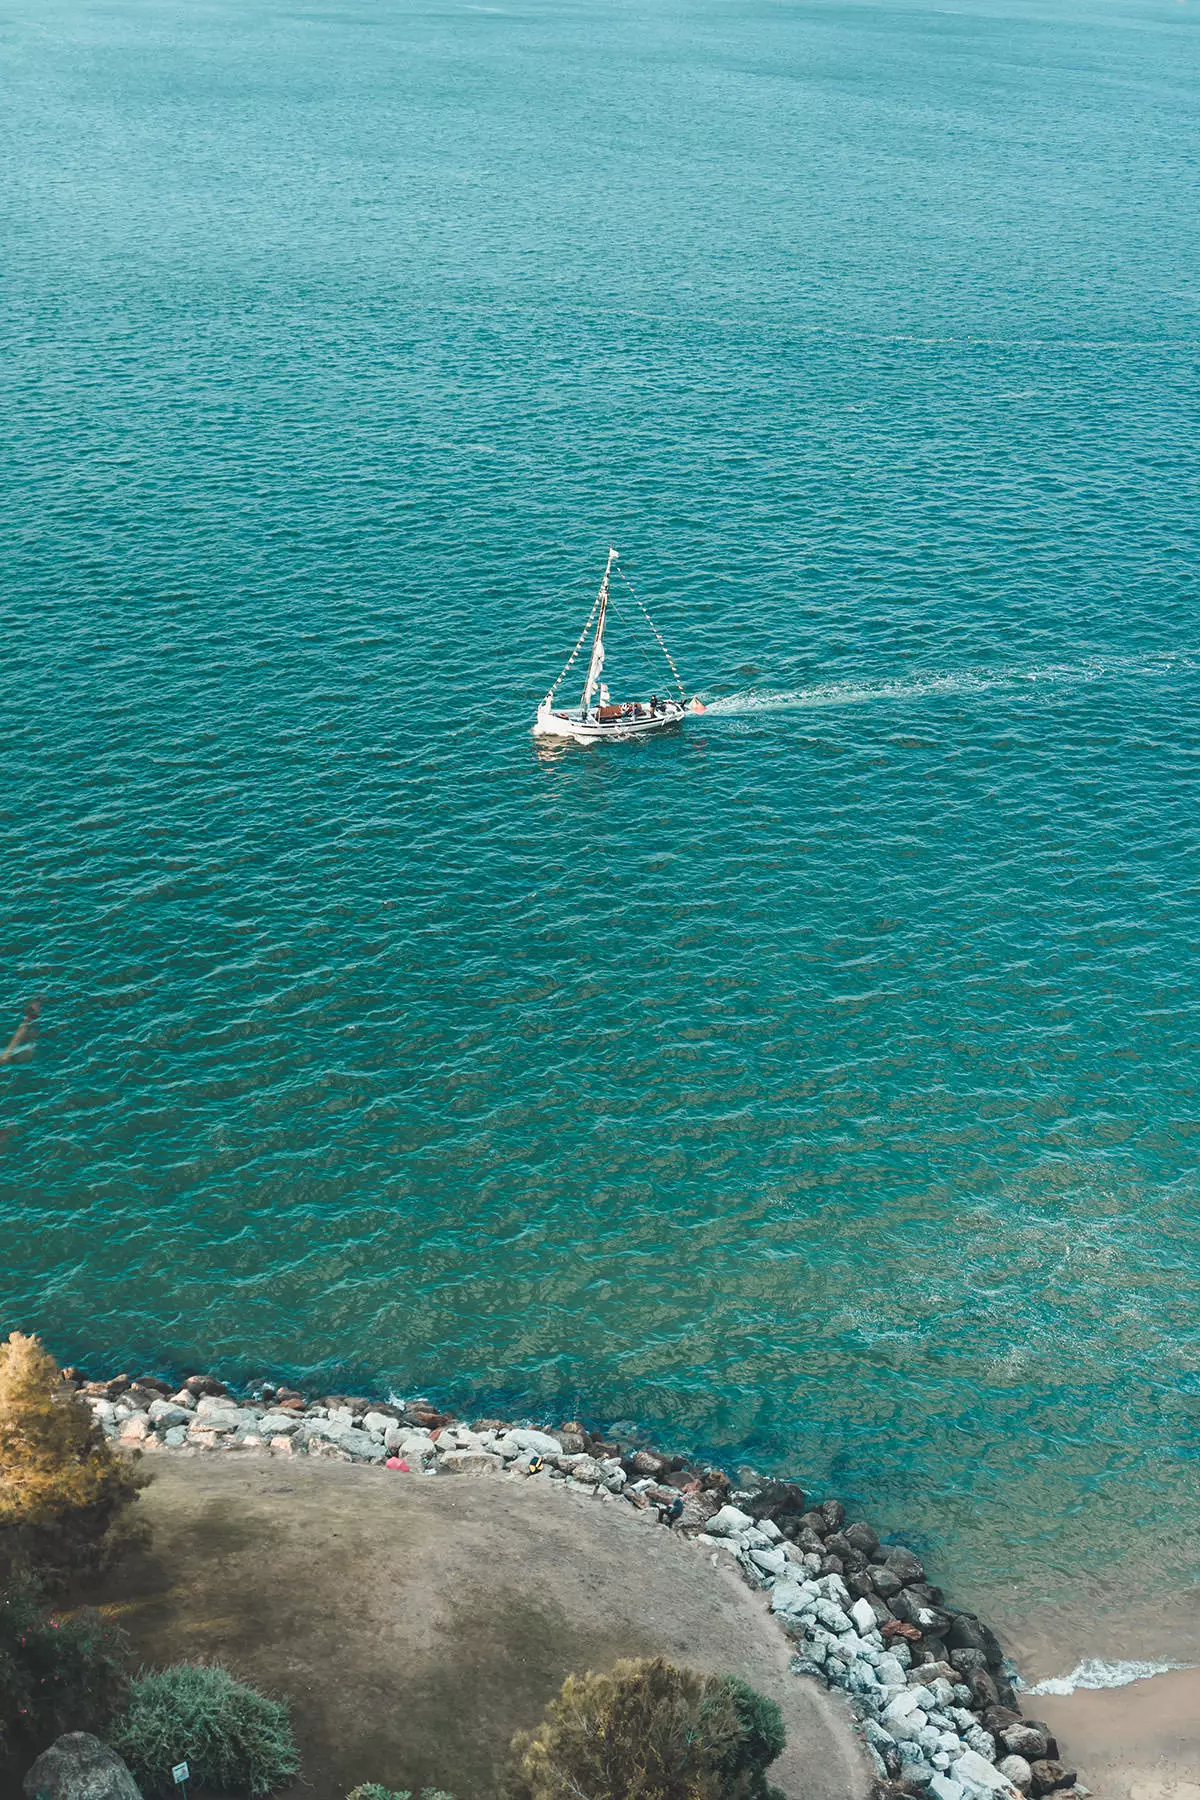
{"x":416,"y":1623}
{"x":1140,"y":1742}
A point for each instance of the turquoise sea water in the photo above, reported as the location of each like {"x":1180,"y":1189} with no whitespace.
{"x":816,"y":1086}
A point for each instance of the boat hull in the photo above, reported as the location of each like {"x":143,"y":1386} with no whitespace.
{"x":592,"y":730}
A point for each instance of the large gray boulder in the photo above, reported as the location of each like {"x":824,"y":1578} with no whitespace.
{"x":78,"y":1766}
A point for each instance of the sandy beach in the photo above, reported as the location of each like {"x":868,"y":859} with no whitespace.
{"x":1140,"y":1742}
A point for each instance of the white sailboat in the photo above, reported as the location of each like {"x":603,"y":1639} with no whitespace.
{"x":609,"y":718}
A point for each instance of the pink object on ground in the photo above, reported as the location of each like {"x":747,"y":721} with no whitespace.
{"x":397,"y":1462}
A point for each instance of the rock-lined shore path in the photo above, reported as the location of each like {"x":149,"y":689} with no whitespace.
{"x":925,"y":1681}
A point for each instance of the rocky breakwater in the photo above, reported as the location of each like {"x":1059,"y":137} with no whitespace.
{"x":928,"y":1682}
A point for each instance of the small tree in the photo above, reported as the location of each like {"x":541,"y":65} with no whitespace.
{"x":62,"y":1489}
{"x":647,"y":1731}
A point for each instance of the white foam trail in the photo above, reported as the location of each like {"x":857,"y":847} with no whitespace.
{"x":1096,"y":1673}
{"x":963,"y":681}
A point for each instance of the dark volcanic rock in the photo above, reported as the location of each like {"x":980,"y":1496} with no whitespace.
{"x":886,"y":1580}
{"x":832,"y":1565}
{"x":859,"y":1584}
{"x":776,"y":1499}
{"x":904,"y":1564}
{"x":997,"y":1719}
{"x":837,"y":1545}
{"x":817,"y":1522}
{"x":201,"y":1385}
{"x":930,"y":1619}
{"x":1049,"y":1774}
{"x":967,"y":1634}
{"x":808,"y":1541}
{"x":964,"y":1660}
{"x":983,"y":1688}
{"x":834,"y":1513}
{"x":862,"y":1538}
{"x":648,"y":1462}
{"x":881,"y":1609}
{"x":928,"y":1594}
{"x":1025,"y":1740}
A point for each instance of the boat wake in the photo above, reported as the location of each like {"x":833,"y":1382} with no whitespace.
{"x":903,"y":689}
{"x":1096,"y":1673}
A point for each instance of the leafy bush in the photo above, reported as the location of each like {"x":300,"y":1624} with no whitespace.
{"x":56,"y":1674}
{"x":761,"y":1739}
{"x":235,"y":1739}
{"x":372,"y":1790}
{"x":62,"y":1490}
{"x":647,"y":1731}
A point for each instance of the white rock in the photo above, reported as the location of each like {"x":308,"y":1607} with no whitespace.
{"x":175,"y":1436}
{"x":278,"y":1424}
{"x":281,"y":1446}
{"x":944,"y":1787}
{"x":889,"y":1670}
{"x":975,"y":1772}
{"x":832,"y":1617}
{"x":901,"y":1706}
{"x":729,"y":1522}
{"x":216,"y":1421}
{"x":468,"y":1462}
{"x":164,"y":1413}
{"x":377,"y":1423}
{"x":1018,"y":1771}
{"x":135,"y":1427}
{"x":863,"y":1614}
{"x":772,"y":1562}
{"x":792,"y":1597}
{"x":360,"y":1445}
{"x":835,"y":1589}
{"x":541,"y":1443}
{"x":583,"y":1469}
{"x":102,"y":1409}
{"x":770,"y":1529}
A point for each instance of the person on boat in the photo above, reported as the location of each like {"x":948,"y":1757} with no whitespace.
{"x":653,"y":704}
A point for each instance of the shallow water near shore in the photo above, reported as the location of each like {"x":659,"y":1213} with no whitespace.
{"x":816,"y":1085}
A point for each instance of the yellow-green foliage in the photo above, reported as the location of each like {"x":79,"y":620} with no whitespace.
{"x":646,"y":1731}
{"x":61,"y":1487}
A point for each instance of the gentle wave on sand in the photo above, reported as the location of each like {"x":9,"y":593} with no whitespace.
{"x":1096,"y":1673}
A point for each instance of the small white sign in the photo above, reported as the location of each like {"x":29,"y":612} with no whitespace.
{"x":179,"y":1773}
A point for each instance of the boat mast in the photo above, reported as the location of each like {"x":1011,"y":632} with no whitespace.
{"x":597,"y":662}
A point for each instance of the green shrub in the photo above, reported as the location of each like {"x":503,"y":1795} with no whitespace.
{"x":372,"y":1790}
{"x":56,"y":1673}
{"x":62,"y":1489}
{"x":761,"y":1739}
{"x":236,"y":1740}
{"x":647,"y":1731}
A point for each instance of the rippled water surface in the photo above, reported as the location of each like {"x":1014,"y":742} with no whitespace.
{"x":815,"y":1085}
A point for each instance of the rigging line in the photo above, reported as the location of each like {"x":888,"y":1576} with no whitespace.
{"x":655,"y":630}
{"x":577,"y":649}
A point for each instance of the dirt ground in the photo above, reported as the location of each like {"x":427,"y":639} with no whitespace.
{"x":416,"y":1622}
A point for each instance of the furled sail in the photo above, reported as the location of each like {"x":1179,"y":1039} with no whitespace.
{"x":597,"y":662}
